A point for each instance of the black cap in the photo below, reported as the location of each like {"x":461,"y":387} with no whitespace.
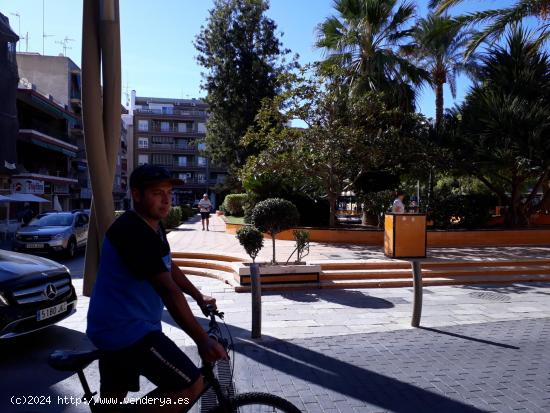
{"x":147,"y":174}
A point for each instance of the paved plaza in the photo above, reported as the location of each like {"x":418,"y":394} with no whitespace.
{"x":480,"y":348}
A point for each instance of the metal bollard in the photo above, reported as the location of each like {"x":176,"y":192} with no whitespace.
{"x":256,"y":290}
{"x":417,"y":284}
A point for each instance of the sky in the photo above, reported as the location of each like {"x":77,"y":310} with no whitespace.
{"x":158,"y":56}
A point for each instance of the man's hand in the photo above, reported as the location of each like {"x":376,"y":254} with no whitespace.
{"x":204,"y":300}
{"x":210,"y":350}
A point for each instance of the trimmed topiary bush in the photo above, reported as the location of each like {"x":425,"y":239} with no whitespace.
{"x":273,"y":216}
{"x":173,"y":219}
{"x":186,"y":212}
{"x":234,"y":203}
{"x":251,"y":239}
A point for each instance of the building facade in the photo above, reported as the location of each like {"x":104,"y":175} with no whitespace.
{"x":58,"y":78}
{"x":171,"y":133}
{"x":9,"y":79}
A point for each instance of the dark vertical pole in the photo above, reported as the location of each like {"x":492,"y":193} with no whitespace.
{"x":256,"y":288}
{"x":417,"y":284}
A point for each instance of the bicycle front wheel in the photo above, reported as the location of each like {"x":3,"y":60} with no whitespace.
{"x":258,"y":403}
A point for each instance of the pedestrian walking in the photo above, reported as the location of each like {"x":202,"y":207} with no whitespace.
{"x":205,"y":206}
{"x":398,"y":206}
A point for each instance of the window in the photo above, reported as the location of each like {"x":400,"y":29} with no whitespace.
{"x":182,"y":160}
{"x":182,"y":127}
{"x":202,"y":146}
{"x":143,"y":125}
{"x":143,"y":159}
{"x":165,"y":126}
{"x":182,"y":143}
{"x":201,"y":178}
{"x":185,"y":176}
{"x":162,"y":159}
{"x":201,"y":161}
{"x":201,"y":127}
{"x":143,"y":143}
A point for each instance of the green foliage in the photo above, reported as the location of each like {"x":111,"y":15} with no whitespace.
{"x":363,"y":38}
{"x":377,"y":203}
{"x":495,"y":22}
{"x":302,"y":244}
{"x":234,"y":204}
{"x":173,"y":219}
{"x":500,"y":134}
{"x":273,"y":216}
{"x":186,"y":212}
{"x":251,"y":239}
{"x":242,"y":57}
{"x":462,"y":211}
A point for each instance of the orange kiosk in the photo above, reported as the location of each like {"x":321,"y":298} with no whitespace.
{"x":405,"y":235}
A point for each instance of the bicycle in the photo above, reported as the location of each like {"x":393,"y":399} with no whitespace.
{"x":254,"y":402}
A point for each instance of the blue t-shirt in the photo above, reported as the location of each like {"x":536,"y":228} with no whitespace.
{"x":124,"y":306}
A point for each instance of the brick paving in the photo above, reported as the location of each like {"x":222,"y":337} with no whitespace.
{"x":481,"y":348}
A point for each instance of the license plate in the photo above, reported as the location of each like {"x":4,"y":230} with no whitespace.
{"x":51,"y":311}
{"x":35,"y":245}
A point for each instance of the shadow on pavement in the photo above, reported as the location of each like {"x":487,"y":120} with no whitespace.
{"x":478,"y":340}
{"x":25,"y":369}
{"x":348,"y":298}
{"x":339,"y":376}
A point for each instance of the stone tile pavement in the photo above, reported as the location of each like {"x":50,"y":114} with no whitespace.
{"x":190,"y":238}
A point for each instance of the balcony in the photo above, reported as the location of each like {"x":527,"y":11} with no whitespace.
{"x":168,"y":147}
{"x":47,"y":129}
{"x":172,"y":112}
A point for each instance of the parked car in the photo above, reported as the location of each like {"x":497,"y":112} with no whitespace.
{"x":54,"y":232}
{"x":35,"y":293}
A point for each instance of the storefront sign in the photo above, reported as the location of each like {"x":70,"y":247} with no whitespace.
{"x":27,"y":186}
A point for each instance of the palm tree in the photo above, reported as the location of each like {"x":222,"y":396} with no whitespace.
{"x":498,"y":20}
{"x":364,"y":39}
{"x":438,"y":45}
{"x":505,"y":124}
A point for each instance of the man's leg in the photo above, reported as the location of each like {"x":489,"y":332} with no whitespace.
{"x":207,"y":223}
{"x":202,"y":221}
{"x":163,"y":363}
{"x":180,"y":400}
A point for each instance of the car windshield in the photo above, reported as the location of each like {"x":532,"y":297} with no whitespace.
{"x":53,"y":220}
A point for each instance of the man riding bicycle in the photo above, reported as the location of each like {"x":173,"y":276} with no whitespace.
{"x":135,"y":280}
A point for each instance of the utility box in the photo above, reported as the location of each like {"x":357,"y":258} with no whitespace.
{"x":405,"y":235}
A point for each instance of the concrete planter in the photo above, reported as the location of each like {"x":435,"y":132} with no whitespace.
{"x":280,"y":273}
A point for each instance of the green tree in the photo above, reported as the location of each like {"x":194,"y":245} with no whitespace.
{"x":242,"y":56}
{"x":316,"y":157}
{"x":438,"y":44}
{"x":364,"y":38}
{"x":502,"y":130}
{"x":497,"y":21}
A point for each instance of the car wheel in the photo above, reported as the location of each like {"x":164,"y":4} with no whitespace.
{"x":71,"y":248}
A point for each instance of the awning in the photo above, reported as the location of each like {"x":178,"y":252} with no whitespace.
{"x":23,"y":198}
{"x":4,"y":198}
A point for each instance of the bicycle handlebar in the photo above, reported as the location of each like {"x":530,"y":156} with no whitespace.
{"x":214,"y":331}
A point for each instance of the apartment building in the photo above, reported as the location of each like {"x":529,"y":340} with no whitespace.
{"x":171,"y":133}
{"x":58,"y":79}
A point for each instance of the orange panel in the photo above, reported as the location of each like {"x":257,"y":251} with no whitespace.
{"x":389,"y":241}
{"x":410,"y":235}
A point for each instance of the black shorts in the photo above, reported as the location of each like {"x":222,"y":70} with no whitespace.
{"x":156,"y":357}
{"x":205,"y":215}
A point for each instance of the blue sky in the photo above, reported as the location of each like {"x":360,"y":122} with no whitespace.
{"x":158,"y":57}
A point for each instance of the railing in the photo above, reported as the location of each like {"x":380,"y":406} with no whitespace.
{"x":176,"y":112}
{"x":47,"y":129}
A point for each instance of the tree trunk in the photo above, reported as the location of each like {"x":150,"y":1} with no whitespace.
{"x":332,"y":206}
{"x":273,"y":242}
{"x":438,"y":105}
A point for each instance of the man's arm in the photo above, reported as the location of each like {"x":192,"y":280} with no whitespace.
{"x":178,"y":308}
{"x":188,"y":288}
{"x":184,"y":284}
